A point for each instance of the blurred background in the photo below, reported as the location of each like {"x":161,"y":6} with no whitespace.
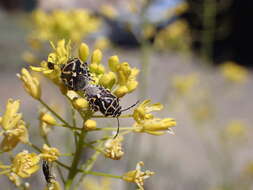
{"x":195,"y":58}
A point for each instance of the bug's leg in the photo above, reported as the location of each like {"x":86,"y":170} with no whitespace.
{"x":117,"y":129}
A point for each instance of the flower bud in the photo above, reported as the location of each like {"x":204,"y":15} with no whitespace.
{"x":80,"y":103}
{"x":90,"y":125}
{"x":108,"y":80}
{"x":96,"y":56}
{"x":131,"y":86}
{"x":101,"y":69}
{"x":83,"y":52}
{"x":31,"y":84}
{"x":113,"y":62}
{"x":48,"y":119}
{"x":93,"y":67}
{"x":121,"y":91}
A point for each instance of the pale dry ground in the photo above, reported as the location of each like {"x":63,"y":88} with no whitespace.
{"x":191,"y":160}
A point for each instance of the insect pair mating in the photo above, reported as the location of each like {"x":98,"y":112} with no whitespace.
{"x":76,"y":76}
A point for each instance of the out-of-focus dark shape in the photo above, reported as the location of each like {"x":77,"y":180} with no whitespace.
{"x":18,"y":5}
{"x":231,"y":33}
{"x":127,"y":30}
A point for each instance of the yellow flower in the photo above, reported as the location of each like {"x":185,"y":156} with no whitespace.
{"x":137,"y":176}
{"x":14,"y":128}
{"x":60,"y":55}
{"x":126,"y":76}
{"x":90,"y":125}
{"x":147,"y":123}
{"x":108,"y":80}
{"x":25,"y":164}
{"x":236,"y":129}
{"x":113,"y":148}
{"x":175,"y":36}
{"x":142,"y":112}
{"x":155,"y":126}
{"x":184,"y":83}
{"x":11,"y":117}
{"x":234,"y":72}
{"x":13,"y":136}
{"x":31,"y":84}
{"x":72,"y":25}
{"x":49,"y":154}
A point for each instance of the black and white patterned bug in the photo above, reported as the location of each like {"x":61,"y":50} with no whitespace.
{"x":47,"y":171}
{"x":101,"y":99}
{"x":75,"y":74}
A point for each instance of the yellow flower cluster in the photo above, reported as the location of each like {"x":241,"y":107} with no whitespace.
{"x":25,"y":164}
{"x":137,"y":176}
{"x":113,"y":148}
{"x":72,"y":25}
{"x":49,"y":154}
{"x":147,"y":123}
{"x":14,"y":129}
{"x":121,"y":78}
{"x":234,"y":72}
{"x":176,"y":36}
{"x":60,"y":55}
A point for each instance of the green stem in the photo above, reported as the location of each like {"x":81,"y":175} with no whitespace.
{"x":4,"y":172}
{"x":93,"y":147}
{"x":88,"y":165}
{"x":74,"y":166}
{"x":102,"y":174}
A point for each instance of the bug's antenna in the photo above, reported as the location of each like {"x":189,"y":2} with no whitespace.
{"x":131,"y":106}
{"x":117,"y":128}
